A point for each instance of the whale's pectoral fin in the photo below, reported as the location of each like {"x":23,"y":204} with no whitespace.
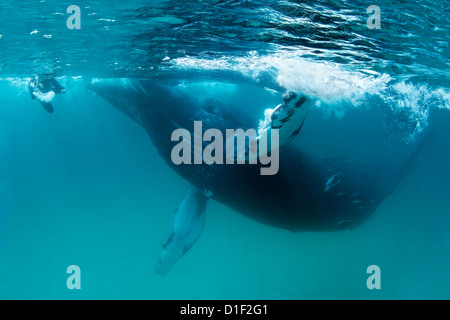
{"x":188,"y":225}
{"x":288,"y":118}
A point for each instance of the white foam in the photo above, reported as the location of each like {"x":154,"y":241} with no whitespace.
{"x":325,"y":81}
{"x":415,"y":102}
{"x":335,"y":87}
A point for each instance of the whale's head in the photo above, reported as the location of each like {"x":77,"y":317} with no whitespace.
{"x":288,"y":118}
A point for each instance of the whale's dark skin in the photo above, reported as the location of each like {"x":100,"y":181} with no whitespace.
{"x":302,"y":196}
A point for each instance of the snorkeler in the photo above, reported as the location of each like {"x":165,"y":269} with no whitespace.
{"x":44,"y":88}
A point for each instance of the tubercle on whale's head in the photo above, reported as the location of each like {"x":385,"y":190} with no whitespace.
{"x":288,"y":96}
{"x":293,"y":100}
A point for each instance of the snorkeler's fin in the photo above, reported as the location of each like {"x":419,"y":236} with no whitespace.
{"x":187,"y":227}
{"x":47,"y":106}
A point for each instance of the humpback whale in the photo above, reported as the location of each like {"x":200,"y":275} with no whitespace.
{"x":306,"y":194}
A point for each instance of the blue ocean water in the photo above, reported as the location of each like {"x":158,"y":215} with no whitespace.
{"x":85,"y":186}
